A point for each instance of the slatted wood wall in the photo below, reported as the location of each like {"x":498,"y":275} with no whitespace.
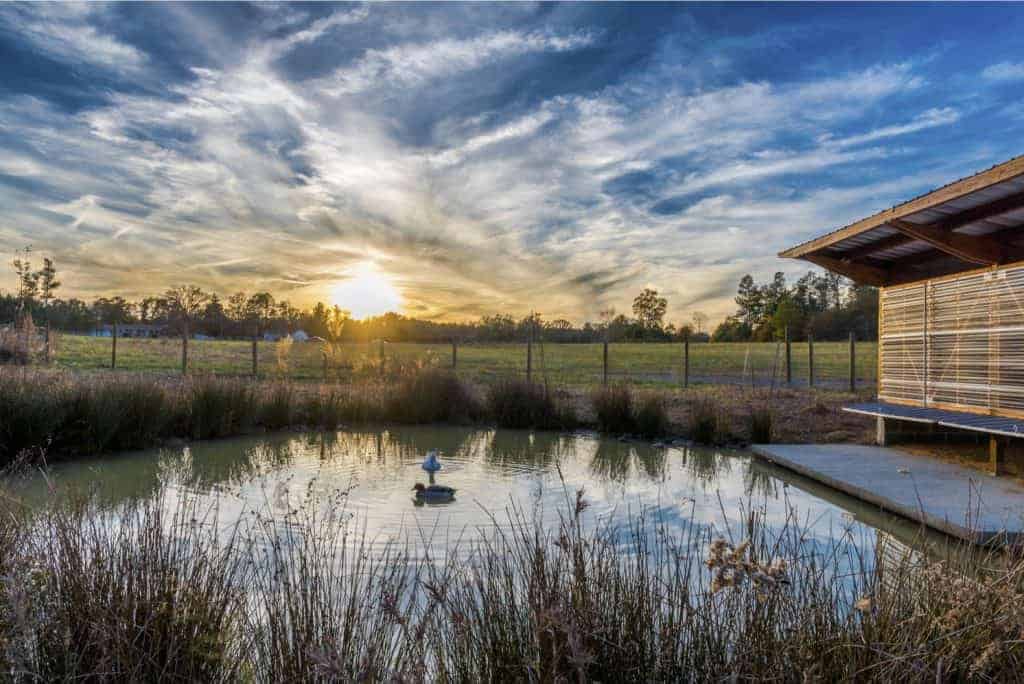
{"x":955,"y":342}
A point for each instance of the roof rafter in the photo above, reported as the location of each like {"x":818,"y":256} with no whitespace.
{"x":859,"y":273}
{"x":978,"y":249}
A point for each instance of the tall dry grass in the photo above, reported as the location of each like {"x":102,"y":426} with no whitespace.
{"x":143,"y":594}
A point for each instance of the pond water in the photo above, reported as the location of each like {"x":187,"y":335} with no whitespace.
{"x":494,"y":471}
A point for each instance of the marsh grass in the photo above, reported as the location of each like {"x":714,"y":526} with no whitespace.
{"x":761,"y":420}
{"x":651,"y":417}
{"x":705,"y":421}
{"x":153,"y":591}
{"x":519,"y":403}
{"x":613,"y":409}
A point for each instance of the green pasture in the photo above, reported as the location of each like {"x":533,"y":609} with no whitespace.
{"x":571,"y":364}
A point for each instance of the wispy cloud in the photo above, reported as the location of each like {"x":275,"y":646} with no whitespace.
{"x":1004,"y":71}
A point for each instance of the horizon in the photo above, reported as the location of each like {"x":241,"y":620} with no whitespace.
{"x":452,"y":161}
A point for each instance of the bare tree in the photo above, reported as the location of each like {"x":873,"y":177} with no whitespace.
{"x":185,"y":303}
{"x":699,"y":320}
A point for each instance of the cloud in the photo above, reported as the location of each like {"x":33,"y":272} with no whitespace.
{"x":1004,"y":71}
{"x":413,"y":64}
{"x":67,"y":32}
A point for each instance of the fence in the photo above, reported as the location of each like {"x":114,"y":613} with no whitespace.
{"x":828,"y":365}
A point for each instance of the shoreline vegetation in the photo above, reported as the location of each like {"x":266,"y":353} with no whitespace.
{"x":53,"y":414}
{"x":153,"y":591}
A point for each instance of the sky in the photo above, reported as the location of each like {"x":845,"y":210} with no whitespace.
{"x":454,"y":160}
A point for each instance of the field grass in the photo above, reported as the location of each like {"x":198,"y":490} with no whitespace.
{"x":655,"y":364}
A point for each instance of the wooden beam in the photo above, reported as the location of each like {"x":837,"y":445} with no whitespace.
{"x":876,"y":246}
{"x":861,"y":274}
{"x":978,"y":249}
{"x":982,"y":213}
{"x":997,"y":174}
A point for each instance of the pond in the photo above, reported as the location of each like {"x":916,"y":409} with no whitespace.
{"x":372,"y":471}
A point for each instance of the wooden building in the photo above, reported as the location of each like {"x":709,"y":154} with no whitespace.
{"x":950,"y":268}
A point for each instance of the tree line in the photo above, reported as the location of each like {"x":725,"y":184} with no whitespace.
{"x":821,"y":305}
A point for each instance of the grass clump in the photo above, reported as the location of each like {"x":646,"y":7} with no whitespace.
{"x":761,"y":419}
{"x":518,"y":403}
{"x":431,"y":395}
{"x":651,"y":417}
{"x":277,"y":408}
{"x":705,"y":421}
{"x":218,"y":408}
{"x":613,"y":409}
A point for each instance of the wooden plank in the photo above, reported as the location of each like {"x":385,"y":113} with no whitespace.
{"x":997,"y":174}
{"x":978,"y":249}
{"x":858,"y":273}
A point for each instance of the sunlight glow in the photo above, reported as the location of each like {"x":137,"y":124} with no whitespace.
{"x":367,"y":291}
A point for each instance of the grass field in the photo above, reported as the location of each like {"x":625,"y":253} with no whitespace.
{"x":568,"y":364}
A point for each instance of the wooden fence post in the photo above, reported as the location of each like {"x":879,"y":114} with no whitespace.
{"x":255,"y":357}
{"x":113,"y":346}
{"x":529,"y":360}
{"x":853,"y":363}
{"x":455,"y":355}
{"x":605,"y":364}
{"x":810,"y":360}
{"x":789,"y":358}
{"x":686,"y":358}
{"x":184,"y":350}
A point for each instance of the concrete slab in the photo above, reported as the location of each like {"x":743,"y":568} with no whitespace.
{"x":954,"y":499}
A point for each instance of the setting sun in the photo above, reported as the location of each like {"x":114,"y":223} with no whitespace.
{"x":366,"y":292}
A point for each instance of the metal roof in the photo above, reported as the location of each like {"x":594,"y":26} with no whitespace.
{"x":970,"y":223}
{"x":961,"y":420}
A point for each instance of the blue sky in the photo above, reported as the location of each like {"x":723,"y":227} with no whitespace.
{"x":498,"y":157}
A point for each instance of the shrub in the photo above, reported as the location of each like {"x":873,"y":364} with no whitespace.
{"x":761,"y":419}
{"x":704,"y":421}
{"x":613,"y":408}
{"x":517,"y":403}
{"x":651,"y":417}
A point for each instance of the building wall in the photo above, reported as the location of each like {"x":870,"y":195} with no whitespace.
{"x":955,"y":342}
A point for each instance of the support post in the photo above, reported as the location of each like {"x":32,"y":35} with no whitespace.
{"x":789,"y":358}
{"x":686,"y":358}
{"x":996,"y":455}
{"x":853,"y":363}
{"x":455,"y":355}
{"x":605,"y":364}
{"x":529,"y":360}
{"x":810,"y":360}
{"x":880,"y":436}
{"x":184,"y":350}
{"x":256,"y":357}
{"x":46,"y":340}
{"x":113,"y":346}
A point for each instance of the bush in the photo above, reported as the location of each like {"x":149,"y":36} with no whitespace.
{"x":613,"y":408}
{"x":651,"y":417}
{"x":761,"y":419}
{"x":704,"y":421}
{"x":517,"y":403}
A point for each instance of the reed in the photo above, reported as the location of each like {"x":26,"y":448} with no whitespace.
{"x":651,"y":417}
{"x":517,"y":403}
{"x":153,"y":591}
{"x":705,"y":421}
{"x":613,"y":409}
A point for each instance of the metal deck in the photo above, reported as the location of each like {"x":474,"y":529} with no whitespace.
{"x":993,"y":425}
{"x":951,"y":498}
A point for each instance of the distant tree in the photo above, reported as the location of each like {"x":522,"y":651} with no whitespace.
{"x":112,"y":310}
{"x":259,"y":311}
{"x":700,"y":319}
{"x":649,"y":309}
{"x":28,"y":279}
{"x":46,"y":277}
{"x":185,"y":304}
{"x":787,"y":315}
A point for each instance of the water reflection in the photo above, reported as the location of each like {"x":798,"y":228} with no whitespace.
{"x":372,"y":472}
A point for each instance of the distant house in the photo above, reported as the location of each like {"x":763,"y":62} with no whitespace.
{"x":300,"y":336}
{"x":146,"y":330}
{"x":297,"y":336}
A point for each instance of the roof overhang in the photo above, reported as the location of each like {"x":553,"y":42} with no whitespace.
{"x":973,"y":222}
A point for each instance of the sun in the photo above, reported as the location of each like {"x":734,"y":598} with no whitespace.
{"x":366,"y":292}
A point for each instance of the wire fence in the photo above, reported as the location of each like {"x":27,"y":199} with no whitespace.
{"x":849,"y":365}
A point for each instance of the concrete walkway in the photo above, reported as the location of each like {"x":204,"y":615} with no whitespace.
{"x":954,"y":499}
